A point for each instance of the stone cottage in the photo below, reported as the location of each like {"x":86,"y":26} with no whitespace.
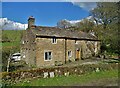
{"x":47,"y":46}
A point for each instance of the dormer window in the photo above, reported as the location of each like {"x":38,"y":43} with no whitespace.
{"x":54,"y":40}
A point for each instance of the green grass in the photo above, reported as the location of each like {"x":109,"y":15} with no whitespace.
{"x":0,"y":44}
{"x":71,"y":80}
{"x":8,"y":44}
{"x":14,"y":36}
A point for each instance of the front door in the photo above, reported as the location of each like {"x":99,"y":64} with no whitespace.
{"x":78,"y":56}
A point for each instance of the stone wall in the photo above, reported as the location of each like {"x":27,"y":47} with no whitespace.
{"x":57,"y":50}
{"x":60,"y":50}
{"x":88,"y":48}
{"x":14,"y":77}
{"x":34,"y":48}
{"x":28,"y":47}
{"x":85,"y":51}
{"x":70,"y":46}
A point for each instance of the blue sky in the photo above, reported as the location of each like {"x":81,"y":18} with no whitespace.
{"x":45,"y":13}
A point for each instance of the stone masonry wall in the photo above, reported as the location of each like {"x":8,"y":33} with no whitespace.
{"x":70,"y":46}
{"x":45,"y":44}
{"x":28,"y":48}
{"x":34,"y":49}
{"x":18,"y":76}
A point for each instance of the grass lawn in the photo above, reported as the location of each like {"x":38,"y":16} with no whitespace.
{"x":0,"y":44}
{"x":14,"y":36}
{"x":102,"y":78}
{"x":11,"y":44}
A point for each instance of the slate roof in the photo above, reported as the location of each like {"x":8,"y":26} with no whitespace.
{"x":57,"y":32}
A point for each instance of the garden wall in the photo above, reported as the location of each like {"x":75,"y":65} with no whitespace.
{"x":14,"y":77}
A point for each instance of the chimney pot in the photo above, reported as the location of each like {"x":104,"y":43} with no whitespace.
{"x":31,"y":21}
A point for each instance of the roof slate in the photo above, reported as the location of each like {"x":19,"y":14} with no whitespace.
{"x":57,"y":32}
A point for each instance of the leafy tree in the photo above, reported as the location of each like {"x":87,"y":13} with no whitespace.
{"x":86,"y":25}
{"x":107,"y":14}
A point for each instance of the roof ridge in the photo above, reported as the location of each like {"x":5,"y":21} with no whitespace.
{"x":54,"y":31}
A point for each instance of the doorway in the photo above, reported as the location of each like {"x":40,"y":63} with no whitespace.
{"x":78,"y":54}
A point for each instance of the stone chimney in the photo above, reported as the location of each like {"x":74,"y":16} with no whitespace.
{"x":31,"y":22}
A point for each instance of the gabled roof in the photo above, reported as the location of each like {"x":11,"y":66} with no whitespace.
{"x":65,"y":33}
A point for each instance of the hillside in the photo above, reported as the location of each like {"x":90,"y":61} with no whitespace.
{"x":10,"y":44}
{"x":11,"y":38}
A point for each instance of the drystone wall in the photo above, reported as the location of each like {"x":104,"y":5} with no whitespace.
{"x":15,"y":77}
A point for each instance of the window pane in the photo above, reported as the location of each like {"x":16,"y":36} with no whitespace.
{"x":69,"y":53}
{"x":45,"y":55}
{"x":54,"y":40}
{"x":49,"y":55}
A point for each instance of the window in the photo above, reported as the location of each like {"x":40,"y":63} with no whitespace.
{"x":23,"y":42}
{"x":69,"y":53}
{"x":76,"y":42}
{"x":54,"y":41}
{"x":47,"y":56}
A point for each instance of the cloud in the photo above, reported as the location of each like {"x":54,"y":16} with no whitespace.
{"x":6,"y":24}
{"x":86,"y":5}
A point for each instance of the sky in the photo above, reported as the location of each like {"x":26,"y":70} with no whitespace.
{"x":45,"y":13}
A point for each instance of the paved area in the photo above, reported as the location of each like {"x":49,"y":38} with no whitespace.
{"x":85,"y":61}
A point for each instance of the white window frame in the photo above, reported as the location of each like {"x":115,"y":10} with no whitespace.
{"x":54,"y":40}
{"x":69,"y":53}
{"x":23,"y":42}
{"x":47,"y":51}
{"x":76,"y":42}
